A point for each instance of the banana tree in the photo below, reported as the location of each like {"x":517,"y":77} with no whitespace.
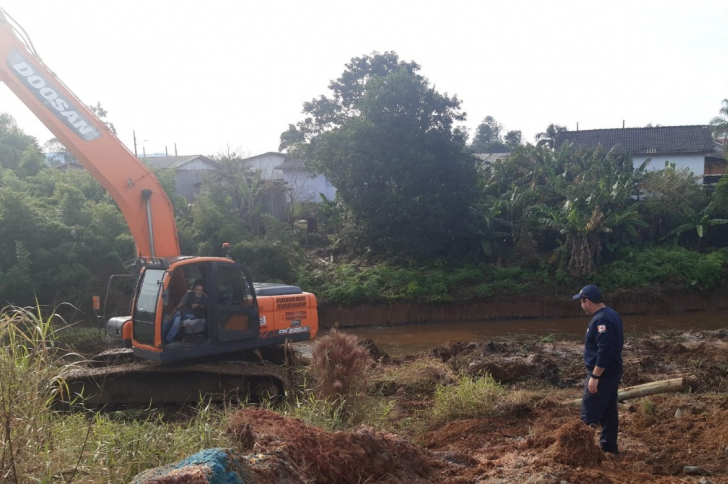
{"x":597,"y":207}
{"x":699,"y":221}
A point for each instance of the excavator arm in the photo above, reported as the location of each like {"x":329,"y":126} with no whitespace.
{"x":137,"y":192}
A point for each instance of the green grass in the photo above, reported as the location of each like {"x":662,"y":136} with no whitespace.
{"x":672,"y":268}
{"x":84,"y":340}
{"x":468,"y":398}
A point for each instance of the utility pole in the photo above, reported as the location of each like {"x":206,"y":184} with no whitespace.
{"x":135,"y":152}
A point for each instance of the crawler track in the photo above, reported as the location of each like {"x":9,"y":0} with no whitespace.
{"x":142,"y":383}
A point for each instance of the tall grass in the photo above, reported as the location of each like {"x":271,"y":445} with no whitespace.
{"x":39,"y":444}
{"x":27,"y":374}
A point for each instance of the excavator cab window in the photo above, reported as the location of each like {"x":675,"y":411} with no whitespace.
{"x":236,"y":315}
{"x":145,"y":311}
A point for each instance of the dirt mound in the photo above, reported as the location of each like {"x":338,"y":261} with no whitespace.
{"x":575,"y":445}
{"x":363,"y":455}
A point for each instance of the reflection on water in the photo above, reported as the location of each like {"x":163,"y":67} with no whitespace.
{"x":413,"y":338}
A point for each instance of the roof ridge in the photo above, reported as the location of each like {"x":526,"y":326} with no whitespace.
{"x":637,"y":128}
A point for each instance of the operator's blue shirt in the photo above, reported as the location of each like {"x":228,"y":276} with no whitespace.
{"x":604,"y":342}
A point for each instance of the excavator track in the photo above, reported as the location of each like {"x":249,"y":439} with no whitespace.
{"x":147,"y":383}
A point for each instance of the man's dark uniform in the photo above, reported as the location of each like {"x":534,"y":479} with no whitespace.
{"x":603,"y":348}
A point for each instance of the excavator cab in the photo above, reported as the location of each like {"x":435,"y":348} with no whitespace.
{"x":231,"y":318}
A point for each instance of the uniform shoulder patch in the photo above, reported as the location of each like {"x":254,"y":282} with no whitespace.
{"x":602,"y":328}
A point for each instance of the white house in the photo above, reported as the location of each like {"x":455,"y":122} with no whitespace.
{"x":687,"y":146}
{"x":303,"y":185}
{"x":189,"y":171}
{"x":266,"y":164}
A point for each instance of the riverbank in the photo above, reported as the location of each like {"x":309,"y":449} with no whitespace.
{"x":638,"y":301}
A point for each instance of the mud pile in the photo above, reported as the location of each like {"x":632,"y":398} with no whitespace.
{"x":363,"y":455}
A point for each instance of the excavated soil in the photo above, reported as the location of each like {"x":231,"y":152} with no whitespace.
{"x":664,"y":438}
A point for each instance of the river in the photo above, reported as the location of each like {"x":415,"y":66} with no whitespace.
{"x":401,"y":340}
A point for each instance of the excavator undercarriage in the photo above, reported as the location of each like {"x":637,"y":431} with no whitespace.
{"x":115,"y":378}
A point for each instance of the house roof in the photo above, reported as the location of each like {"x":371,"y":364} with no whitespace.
{"x":269,"y":153}
{"x":642,"y":141}
{"x":173,"y":161}
{"x":491,"y":157}
{"x":292,"y":165}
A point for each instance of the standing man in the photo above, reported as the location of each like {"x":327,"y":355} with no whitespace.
{"x":603,"y":361}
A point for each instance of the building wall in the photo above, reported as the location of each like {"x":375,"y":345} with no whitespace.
{"x":696,"y":163}
{"x":189,"y":176}
{"x":266,"y":165}
{"x":306,"y":188}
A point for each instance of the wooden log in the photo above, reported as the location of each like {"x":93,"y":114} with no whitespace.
{"x":653,"y":388}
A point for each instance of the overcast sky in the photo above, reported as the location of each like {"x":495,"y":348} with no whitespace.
{"x":234,"y":73}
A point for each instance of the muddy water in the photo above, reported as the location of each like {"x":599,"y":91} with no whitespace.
{"x":413,"y":338}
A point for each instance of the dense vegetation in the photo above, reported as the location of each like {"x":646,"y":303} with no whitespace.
{"x":417,"y":215}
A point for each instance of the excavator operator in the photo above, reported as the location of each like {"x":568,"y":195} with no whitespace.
{"x":191,"y":306}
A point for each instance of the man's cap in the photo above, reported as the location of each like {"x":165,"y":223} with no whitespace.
{"x":591,"y":292}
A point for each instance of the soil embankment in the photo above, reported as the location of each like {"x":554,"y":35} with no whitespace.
{"x":643,"y":302}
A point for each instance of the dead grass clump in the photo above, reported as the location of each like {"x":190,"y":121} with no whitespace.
{"x":338,"y":366}
{"x":575,"y":445}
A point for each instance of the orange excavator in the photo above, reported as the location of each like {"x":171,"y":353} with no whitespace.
{"x":239,"y":315}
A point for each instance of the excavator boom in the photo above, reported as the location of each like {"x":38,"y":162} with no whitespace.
{"x":238,"y":316}
{"x":131,"y":184}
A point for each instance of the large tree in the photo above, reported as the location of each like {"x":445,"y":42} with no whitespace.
{"x":386,"y":140}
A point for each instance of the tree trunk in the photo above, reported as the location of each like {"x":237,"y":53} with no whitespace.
{"x":653,"y":388}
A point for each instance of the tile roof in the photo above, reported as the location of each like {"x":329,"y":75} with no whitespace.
{"x":642,"y":141}
{"x":172,"y":161}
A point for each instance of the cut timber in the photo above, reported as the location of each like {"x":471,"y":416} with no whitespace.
{"x":663,"y":386}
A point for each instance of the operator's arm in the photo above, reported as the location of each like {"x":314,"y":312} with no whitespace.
{"x":182,"y":302}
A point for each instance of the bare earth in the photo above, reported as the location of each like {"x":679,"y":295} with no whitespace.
{"x":537,"y":442}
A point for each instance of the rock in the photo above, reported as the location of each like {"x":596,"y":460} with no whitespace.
{"x":696,"y":471}
{"x":678,"y":413}
{"x":704,"y":480}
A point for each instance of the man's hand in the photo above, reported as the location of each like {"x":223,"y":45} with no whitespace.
{"x":593,"y":382}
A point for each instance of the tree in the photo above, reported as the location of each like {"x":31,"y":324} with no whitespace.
{"x":720,"y":125}
{"x":386,"y":140}
{"x":233,"y":185}
{"x":101,"y":114}
{"x":669,"y":196}
{"x":488,"y":138}
{"x":548,"y":137}
{"x":513,"y":139}
{"x":13,"y":142}
{"x":57,"y":153}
